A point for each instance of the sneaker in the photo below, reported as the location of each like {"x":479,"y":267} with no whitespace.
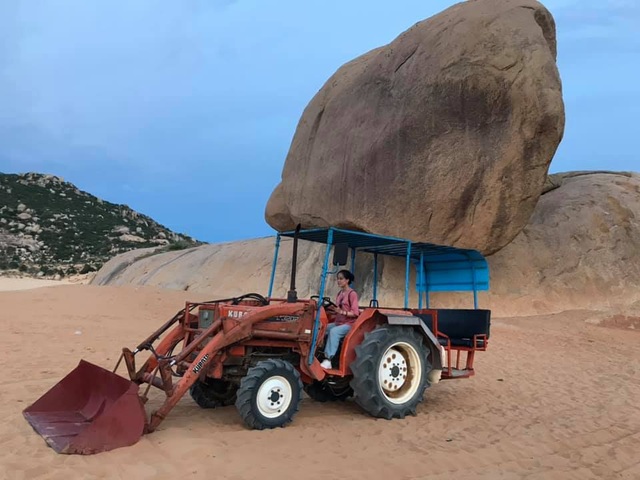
{"x":326,"y":364}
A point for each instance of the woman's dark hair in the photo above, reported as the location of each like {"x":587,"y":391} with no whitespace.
{"x":346,"y":274}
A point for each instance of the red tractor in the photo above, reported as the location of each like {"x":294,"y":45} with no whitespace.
{"x":260,"y":353}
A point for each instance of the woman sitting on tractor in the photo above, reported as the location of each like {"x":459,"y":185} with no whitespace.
{"x":345,"y":313}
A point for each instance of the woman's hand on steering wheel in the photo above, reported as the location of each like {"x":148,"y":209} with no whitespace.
{"x":326,"y":301}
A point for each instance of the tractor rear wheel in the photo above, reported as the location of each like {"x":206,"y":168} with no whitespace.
{"x":213,"y":393}
{"x":390,"y":372}
{"x":269,"y":395}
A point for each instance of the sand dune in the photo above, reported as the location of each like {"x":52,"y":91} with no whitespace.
{"x":554,"y":397}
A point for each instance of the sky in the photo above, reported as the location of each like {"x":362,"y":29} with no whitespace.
{"x":185,"y":111}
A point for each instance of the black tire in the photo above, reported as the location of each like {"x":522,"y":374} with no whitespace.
{"x":374,"y":359}
{"x":277,"y":403}
{"x":320,"y":392}
{"x":213,"y":393}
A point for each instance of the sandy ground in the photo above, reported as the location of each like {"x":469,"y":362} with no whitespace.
{"x":11,"y":284}
{"x":554,"y":397}
{"x":8,"y":284}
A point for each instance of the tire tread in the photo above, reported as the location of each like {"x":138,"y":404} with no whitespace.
{"x":249,"y":385}
{"x":365,"y":372}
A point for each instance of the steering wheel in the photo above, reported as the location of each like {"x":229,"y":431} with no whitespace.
{"x":326,"y":301}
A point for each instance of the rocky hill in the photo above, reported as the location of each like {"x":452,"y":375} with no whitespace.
{"x":48,"y":227}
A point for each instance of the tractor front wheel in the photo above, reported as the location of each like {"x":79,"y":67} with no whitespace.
{"x":269,"y":395}
{"x":390,"y":372}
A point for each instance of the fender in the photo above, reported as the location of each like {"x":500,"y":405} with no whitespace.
{"x":432,"y":341}
{"x":368,"y":320}
{"x":372,"y":318}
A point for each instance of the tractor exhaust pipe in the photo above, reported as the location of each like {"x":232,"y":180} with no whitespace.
{"x":292,"y":295}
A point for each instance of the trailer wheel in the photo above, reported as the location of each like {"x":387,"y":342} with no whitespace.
{"x":213,"y":393}
{"x":390,"y":372}
{"x":269,"y":395}
{"x":320,"y":392}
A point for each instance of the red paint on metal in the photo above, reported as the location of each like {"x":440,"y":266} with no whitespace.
{"x":90,"y":410}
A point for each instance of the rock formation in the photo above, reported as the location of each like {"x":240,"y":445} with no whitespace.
{"x":580,"y":250}
{"x":445,"y":135}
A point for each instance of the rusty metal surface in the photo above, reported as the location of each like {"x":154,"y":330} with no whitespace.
{"x":90,"y":410}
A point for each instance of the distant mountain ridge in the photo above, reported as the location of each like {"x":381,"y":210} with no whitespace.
{"x":49,"y":227}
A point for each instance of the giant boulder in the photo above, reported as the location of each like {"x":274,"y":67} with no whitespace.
{"x":444,"y":135}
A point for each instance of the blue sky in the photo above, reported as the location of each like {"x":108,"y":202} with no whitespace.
{"x":185,"y":110}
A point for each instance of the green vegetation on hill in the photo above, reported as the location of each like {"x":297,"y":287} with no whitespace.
{"x":50,"y":227}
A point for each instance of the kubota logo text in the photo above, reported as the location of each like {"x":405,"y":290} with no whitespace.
{"x":199,"y":365}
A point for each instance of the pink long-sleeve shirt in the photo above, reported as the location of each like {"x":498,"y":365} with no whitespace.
{"x":347,"y":301}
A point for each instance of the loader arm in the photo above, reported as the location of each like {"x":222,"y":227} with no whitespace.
{"x":165,"y":346}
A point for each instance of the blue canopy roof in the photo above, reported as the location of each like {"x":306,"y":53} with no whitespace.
{"x":444,"y":268}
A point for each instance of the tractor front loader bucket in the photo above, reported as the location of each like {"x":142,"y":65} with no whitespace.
{"x":90,"y":410}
